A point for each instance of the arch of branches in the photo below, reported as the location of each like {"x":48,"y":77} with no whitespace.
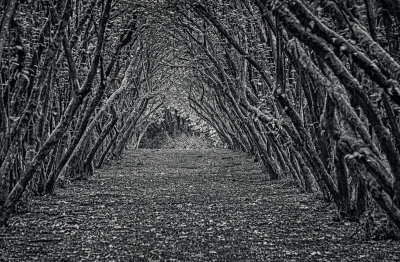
{"x":311,"y":88}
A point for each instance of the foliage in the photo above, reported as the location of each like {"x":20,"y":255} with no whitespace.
{"x":185,"y":141}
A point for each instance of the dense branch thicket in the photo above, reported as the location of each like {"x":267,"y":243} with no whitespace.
{"x":310,"y":88}
{"x":78,"y":83}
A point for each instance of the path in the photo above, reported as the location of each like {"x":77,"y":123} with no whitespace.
{"x":210,"y":205}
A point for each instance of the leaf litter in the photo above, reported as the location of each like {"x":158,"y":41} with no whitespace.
{"x":184,"y":205}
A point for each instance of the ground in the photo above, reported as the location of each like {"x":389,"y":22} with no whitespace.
{"x":185,"y":205}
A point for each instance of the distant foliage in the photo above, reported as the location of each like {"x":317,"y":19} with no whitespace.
{"x":187,"y":141}
{"x":180,"y":129}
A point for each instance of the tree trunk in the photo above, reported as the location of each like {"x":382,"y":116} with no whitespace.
{"x":87,"y":163}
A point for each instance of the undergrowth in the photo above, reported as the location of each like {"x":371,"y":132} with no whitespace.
{"x":179,"y":141}
{"x":187,"y":141}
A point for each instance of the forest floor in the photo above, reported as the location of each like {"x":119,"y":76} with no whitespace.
{"x":185,"y":205}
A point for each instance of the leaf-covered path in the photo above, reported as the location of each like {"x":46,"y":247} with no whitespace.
{"x":171,"y":205}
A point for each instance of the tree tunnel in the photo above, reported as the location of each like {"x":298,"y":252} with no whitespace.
{"x":179,"y":129}
{"x":310,"y":88}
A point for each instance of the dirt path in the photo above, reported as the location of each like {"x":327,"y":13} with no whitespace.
{"x":175,"y":205}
